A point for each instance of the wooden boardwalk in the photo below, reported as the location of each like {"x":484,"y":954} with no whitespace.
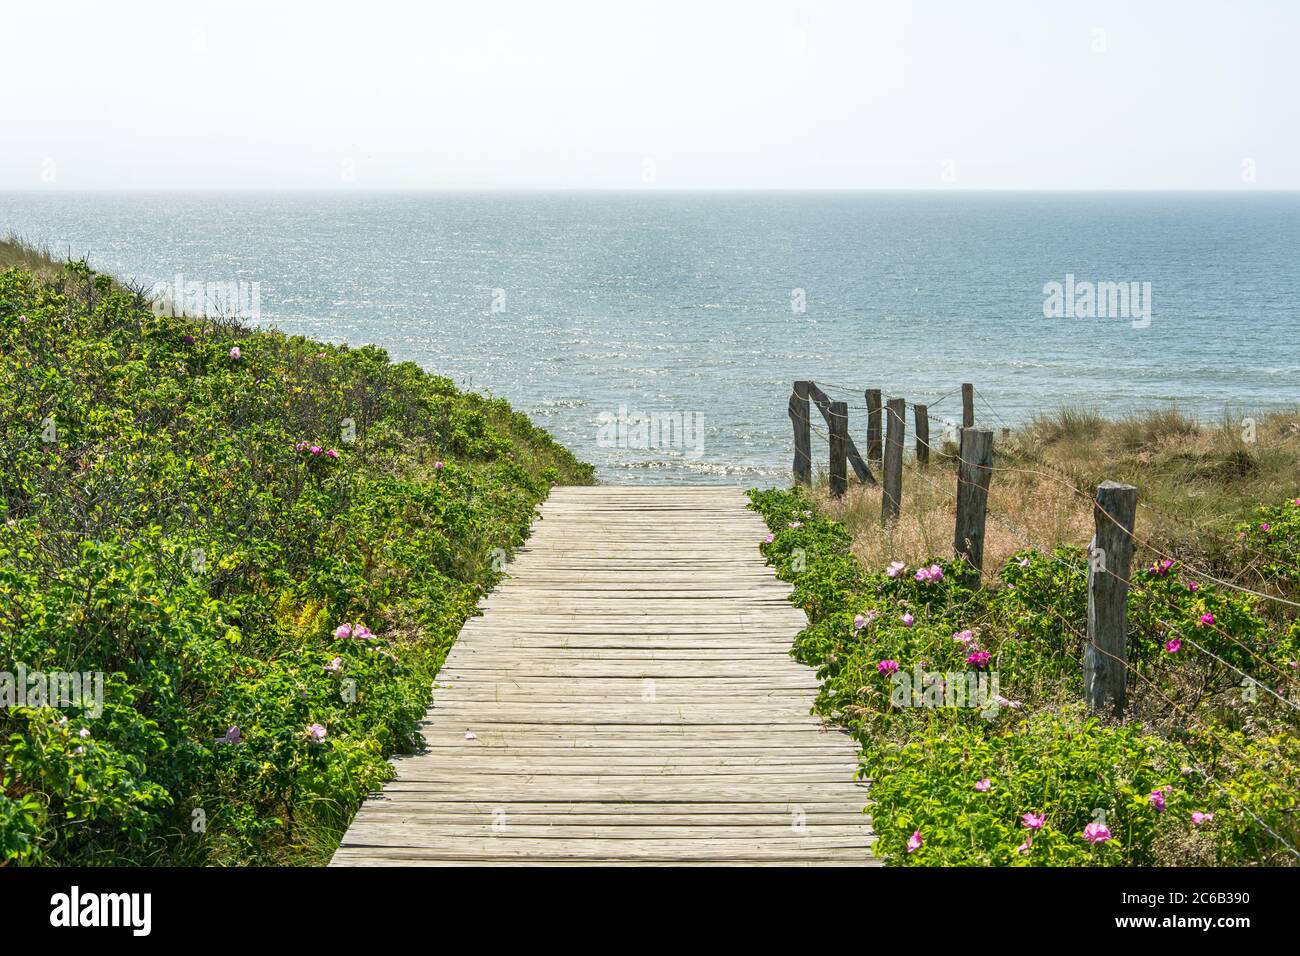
{"x":631,"y":699}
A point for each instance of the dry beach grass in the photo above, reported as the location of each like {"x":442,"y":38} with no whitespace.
{"x":1195,"y":482}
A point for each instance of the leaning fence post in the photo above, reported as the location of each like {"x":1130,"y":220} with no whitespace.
{"x":967,"y":405}
{"x":974,"y":472}
{"x":1105,"y":658}
{"x":922,"y":435}
{"x":799,"y":412}
{"x":839,"y":441}
{"x":873,"y":424}
{"x":892,"y":500}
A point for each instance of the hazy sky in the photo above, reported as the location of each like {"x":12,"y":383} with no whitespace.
{"x":659,"y":94}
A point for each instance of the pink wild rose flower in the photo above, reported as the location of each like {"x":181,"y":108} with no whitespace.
{"x":1096,"y":833}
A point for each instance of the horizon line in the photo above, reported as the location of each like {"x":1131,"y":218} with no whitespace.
{"x":345,"y":190}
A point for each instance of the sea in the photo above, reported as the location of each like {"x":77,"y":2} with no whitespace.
{"x":658,"y":334}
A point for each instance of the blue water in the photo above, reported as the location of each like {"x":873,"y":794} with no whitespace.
{"x":681,"y":303}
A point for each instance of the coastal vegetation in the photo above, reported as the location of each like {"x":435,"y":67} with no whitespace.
{"x":966,"y":697}
{"x":263,"y":546}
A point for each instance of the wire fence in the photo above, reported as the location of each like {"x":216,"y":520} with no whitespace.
{"x":1157,"y":606}
{"x":1047,"y":475}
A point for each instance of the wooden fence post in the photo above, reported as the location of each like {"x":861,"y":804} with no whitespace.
{"x":1105,"y":658}
{"x":799,"y":412}
{"x":922,"y":435}
{"x":823,"y":403}
{"x":967,"y":405}
{"x":974,"y":472}
{"x":873,"y":425}
{"x":839,"y":441}
{"x":896,"y":424}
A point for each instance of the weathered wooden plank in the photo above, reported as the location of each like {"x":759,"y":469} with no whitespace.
{"x":892,"y":497}
{"x":922,"y":435}
{"x":1105,"y":657}
{"x":823,"y":403}
{"x":626,"y":697}
{"x":974,"y":472}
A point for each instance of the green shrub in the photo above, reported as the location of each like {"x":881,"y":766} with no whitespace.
{"x":196,"y":524}
{"x":1219,"y":751}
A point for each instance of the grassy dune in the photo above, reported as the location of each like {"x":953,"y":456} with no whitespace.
{"x":265,"y":545}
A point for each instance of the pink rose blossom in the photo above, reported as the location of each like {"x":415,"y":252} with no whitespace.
{"x":343,"y":631}
{"x":1174,"y":646}
{"x":1207,"y":619}
{"x":1198,"y":818}
{"x":907,"y":619}
{"x":769,"y":538}
{"x":932,"y":573}
{"x":316,"y":732}
{"x":895,"y":568}
{"x":232,"y":736}
{"x":979,"y":659}
{"x":887,"y":667}
{"x":964,"y":636}
{"x":235,"y":354}
{"x":1096,"y":833}
{"x":1157,"y":800}
{"x":914,"y":842}
{"x":984,"y":786}
{"x":1034,"y":822}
